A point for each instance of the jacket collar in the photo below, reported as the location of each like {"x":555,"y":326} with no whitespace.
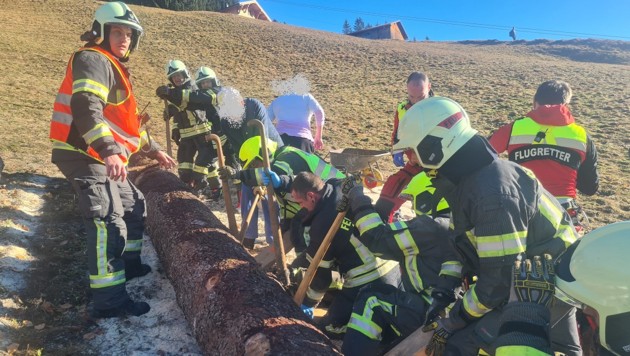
{"x":554,"y":115}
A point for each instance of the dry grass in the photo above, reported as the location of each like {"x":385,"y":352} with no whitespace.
{"x":357,"y":81}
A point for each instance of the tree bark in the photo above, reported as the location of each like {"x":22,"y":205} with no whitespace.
{"x":232,"y":306}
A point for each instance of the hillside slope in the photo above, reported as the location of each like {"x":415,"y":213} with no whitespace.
{"x":357,"y":81}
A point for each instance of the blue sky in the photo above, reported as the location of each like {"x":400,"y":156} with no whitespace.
{"x":450,"y":20}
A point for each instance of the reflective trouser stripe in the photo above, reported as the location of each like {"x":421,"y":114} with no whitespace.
{"x":200,"y":169}
{"x":107,"y":280}
{"x":133,"y":245}
{"x":364,"y":324}
{"x":185,"y":166}
{"x":101,"y":246}
{"x":314,"y":295}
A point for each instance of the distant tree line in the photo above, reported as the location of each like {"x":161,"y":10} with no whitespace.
{"x":358,"y":26}
{"x":186,"y":5}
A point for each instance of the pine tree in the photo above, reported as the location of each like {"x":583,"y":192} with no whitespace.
{"x":346,"y":28}
{"x":358,"y":24}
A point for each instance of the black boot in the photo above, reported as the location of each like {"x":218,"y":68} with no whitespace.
{"x":128,"y":308}
{"x":134,"y":268}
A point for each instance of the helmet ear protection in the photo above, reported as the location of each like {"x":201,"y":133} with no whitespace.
{"x":430,"y":150}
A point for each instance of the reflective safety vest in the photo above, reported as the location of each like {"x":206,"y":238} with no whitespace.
{"x":122,"y":122}
{"x":402,"y":109}
{"x":536,"y":146}
{"x":316,"y":165}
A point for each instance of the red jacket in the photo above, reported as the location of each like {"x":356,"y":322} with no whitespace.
{"x":561,"y":170}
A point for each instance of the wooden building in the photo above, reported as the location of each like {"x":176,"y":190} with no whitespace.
{"x":249,"y":8}
{"x":390,"y":31}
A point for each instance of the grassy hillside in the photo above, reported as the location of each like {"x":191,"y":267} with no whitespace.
{"x":357,"y":81}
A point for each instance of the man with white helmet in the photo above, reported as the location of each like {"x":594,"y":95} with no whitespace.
{"x":196,"y":156}
{"x":506,"y":212}
{"x":95,"y":128}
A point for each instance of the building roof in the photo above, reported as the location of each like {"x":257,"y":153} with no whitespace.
{"x":247,"y":4}
{"x":374,"y":28}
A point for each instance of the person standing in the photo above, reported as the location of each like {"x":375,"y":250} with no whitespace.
{"x":293,"y":113}
{"x":499,"y":211}
{"x":418,"y":88}
{"x":549,"y":142}
{"x":196,"y":155}
{"x":95,"y":128}
{"x":235,"y":113}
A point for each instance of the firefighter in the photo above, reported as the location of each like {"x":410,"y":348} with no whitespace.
{"x":418,"y":88}
{"x":285,"y":160}
{"x":235,"y":113}
{"x":592,"y":275}
{"x":550,"y":143}
{"x":196,"y":156}
{"x":504,"y":208}
{"x":431,"y":272}
{"x":359,"y":267}
{"x":95,"y":128}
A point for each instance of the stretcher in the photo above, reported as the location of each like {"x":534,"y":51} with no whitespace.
{"x":362,"y":162}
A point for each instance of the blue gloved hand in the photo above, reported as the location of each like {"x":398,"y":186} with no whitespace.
{"x":399,"y":159}
{"x":307,"y":310}
{"x":271,"y":176}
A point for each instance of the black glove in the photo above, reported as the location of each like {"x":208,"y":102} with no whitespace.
{"x":163,"y":91}
{"x":442,"y":298}
{"x":227,"y":172}
{"x":176,"y":136}
{"x":534,"y":281}
{"x":348,"y":184}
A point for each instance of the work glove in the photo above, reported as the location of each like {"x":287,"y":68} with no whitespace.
{"x":175,"y":135}
{"x":309,"y":311}
{"x":442,"y":298}
{"x":163,"y":91}
{"x":144,"y":118}
{"x":227,"y":172}
{"x":349,"y":183}
{"x":441,"y":334}
{"x":261,"y":190}
{"x":534,"y":280}
{"x":399,"y":159}
{"x":266,"y":176}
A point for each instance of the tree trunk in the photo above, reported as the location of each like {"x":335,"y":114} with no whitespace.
{"x":232,"y":306}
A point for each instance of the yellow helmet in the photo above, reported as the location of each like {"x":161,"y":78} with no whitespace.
{"x":420,"y":191}
{"x":116,"y":13}
{"x":251,"y":150}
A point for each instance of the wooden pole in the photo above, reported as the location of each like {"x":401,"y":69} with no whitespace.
{"x":298,"y":298}
{"x":271,"y":200}
{"x":226,"y":187}
{"x":169,"y":149}
{"x":250,"y":213}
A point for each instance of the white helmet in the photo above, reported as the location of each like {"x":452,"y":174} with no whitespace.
{"x":435,"y":128}
{"x":116,"y":13}
{"x":593,"y":274}
{"x":176,"y":66}
{"x":207,"y":73}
